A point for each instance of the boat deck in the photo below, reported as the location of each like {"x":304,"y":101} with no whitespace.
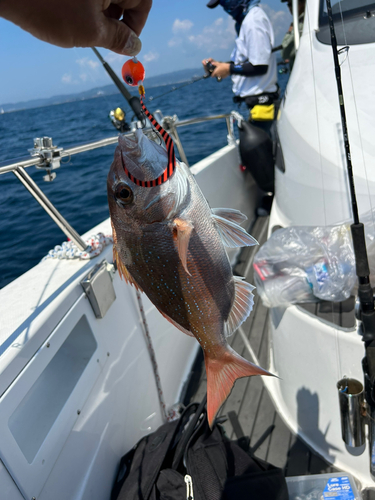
{"x":270,"y":438}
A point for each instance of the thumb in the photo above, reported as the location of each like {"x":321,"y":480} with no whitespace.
{"x":118,"y":37}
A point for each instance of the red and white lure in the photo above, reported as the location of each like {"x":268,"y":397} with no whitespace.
{"x":133,"y":74}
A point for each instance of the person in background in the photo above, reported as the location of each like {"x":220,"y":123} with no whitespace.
{"x":288,"y":51}
{"x":82,"y":23}
{"x":253,"y":65}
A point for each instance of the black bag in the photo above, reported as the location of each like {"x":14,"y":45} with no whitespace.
{"x":184,"y":459}
{"x":256,"y":151}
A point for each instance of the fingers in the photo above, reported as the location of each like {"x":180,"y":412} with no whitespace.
{"x":135,"y":18}
{"x":118,"y":37}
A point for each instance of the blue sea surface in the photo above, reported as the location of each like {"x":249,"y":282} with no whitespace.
{"x":79,"y":190}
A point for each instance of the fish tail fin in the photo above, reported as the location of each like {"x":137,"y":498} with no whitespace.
{"x":222,"y":371}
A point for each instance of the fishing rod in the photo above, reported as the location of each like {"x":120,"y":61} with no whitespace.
{"x":365,"y":293}
{"x":133,"y":101}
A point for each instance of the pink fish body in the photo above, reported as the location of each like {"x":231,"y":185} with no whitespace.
{"x":169,"y":243}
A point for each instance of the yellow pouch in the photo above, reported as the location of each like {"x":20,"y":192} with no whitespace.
{"x":262,"y":112}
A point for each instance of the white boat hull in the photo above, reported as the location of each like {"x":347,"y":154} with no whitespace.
{"x":308,"y":354}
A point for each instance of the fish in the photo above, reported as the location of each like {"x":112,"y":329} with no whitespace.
{"x":169,"y":244}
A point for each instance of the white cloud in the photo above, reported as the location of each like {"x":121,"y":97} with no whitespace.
{"x":280,"y":21}
{"x":219,"y":34}
{"x":86,"y":62}
{"x":83,"y":77}
{"x":151,"y":56}
{"x":181,"y":26}
{"x":175,"y":41}
{"x":66,"y":78}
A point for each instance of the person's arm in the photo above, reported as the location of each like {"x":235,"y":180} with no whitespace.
{"x":112,"y":24}
{"x":247,"y":69}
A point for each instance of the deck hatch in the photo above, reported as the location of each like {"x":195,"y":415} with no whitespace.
{"x":32,"y":420}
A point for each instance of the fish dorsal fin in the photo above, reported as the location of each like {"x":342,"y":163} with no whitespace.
{"x":174,"y":323}
{"x":242,"y":305}
{"x":123,"y":272}
{"x":181,"y":233}
{"x":230,"y":214}
{"x":232,"y":234}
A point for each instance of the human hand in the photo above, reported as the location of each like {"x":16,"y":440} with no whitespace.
{"x":221,"y":70}
{"x":82,"y":23}
{"x":205,"y":62}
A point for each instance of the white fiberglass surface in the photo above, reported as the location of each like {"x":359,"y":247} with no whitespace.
{"x":314,"y":189}
{"x":34,"y":416}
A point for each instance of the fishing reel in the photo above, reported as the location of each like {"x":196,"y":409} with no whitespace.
{"x":210,"y":69}
{"x":118,"y":119}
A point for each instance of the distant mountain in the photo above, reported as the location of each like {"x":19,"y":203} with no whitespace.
{"x":154,"y":81}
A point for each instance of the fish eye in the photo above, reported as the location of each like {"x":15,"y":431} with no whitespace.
{"x":123,"y":194}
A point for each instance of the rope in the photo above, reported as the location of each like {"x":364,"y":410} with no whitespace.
{"x":68,"y":250}
{"x":168,"y":415}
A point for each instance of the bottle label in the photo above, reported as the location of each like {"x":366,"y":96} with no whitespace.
{"x":338,"y":488}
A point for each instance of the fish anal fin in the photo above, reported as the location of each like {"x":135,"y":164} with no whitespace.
{"x":222,"y":371}
{"x":123,"y":272}
{"x":174,"y":323}
{"x":232,"y":234}
{"x":242,"y":305}
{"x":181,"y":233}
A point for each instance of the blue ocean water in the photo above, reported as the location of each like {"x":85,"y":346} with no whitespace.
{"x":79,"y":190}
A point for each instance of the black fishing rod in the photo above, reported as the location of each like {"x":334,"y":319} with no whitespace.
{"x":133,"y":101}
{"x":365,"y":293}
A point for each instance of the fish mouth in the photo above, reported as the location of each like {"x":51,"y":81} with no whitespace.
{"x":143,"y":160}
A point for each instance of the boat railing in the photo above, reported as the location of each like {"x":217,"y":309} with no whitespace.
{"x":46,"y":156}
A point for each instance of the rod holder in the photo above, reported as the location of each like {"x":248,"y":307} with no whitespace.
{"x":352,"y":411}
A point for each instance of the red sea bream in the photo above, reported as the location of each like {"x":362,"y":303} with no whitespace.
{"x":169,"y":243}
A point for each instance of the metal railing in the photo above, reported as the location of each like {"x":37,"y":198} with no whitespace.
{"x":18,"y":165}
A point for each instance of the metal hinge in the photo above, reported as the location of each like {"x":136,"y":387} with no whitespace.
{"x":99,"y":288}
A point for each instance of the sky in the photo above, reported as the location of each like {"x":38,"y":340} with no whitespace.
{"x":178,"y":35}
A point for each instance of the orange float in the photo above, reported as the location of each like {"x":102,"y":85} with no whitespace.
{"x":133,"y":72}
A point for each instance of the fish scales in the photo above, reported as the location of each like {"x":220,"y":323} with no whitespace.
{"x":169,"y":243}
{"x":192,"y":301}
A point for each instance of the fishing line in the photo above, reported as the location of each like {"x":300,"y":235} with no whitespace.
{"x":337,"y":341}
{"x":178,"y":88}
{"x":357,"y":118}
{"x":94,"y":80}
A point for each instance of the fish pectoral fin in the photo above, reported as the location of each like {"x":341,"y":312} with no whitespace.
{"x":232,"y":234}
{"x":230,"y":214}
{"x":181,"y":233}
{"x":242,"y":305}
{"x":123,"y":272}
{"x":174,"y":323}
